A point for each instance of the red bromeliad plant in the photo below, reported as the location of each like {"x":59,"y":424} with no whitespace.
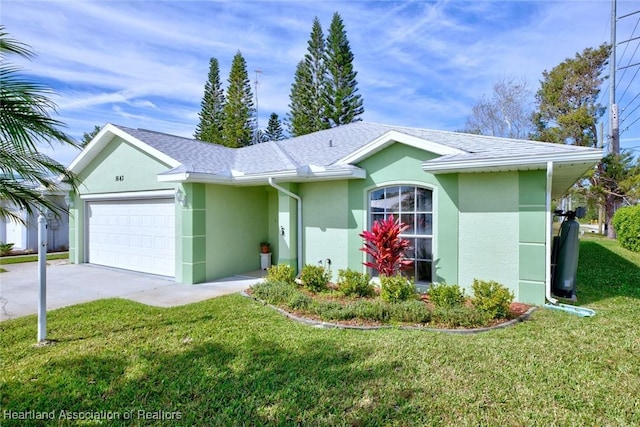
{"x":384,"y":244}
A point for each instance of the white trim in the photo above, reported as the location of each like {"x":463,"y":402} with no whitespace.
{"x":104,"y":137}
{"x":434,"y":214}
{"x":156,"y":194}
{"x":548,"y":235}
{"x":509,"y":163}
{"x":301,"y":174}
{"x":392,"y":137}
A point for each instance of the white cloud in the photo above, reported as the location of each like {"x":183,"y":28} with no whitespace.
{"x":144,"y":64}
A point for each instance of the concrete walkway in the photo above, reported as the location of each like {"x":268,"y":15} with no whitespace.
{"x":69,"y":284}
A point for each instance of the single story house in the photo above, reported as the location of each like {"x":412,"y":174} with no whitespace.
{"x":476,"y":206}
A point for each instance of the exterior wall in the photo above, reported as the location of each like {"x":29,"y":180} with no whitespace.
{"x":401,"y":164}
{"x":326,"y":224}
{"x":25,"y":236}
{"x":531,"y":255}
{"x":502,"y":231}
{"x":235,"y":222}
{"x":489,"y":228}
{"x":136,"y":171}
{"x":283,"y":220}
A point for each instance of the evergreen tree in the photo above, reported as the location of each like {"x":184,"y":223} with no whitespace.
{"x":567,"y":100}
{"x":274,"y":130}
{"x":343,"y":104}
{"x":300,"y":116}
{"x":239,"y":112}
{"x":307,"y":92}
{"x":88,"y":136}
{"x":211,"y":114}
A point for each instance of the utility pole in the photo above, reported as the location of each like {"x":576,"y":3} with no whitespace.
{"x":614,"y":126}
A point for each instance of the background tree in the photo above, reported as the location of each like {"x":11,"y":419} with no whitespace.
{"x":212,"y":107}
{"x":568,"y":113}
{"x":239,"y":112}
{"x":88,"y":136}
{"x":274,"y":130}
{"x":25,"y":121}
{"x":343,"y":104}
{"x":506,"y":114}
{"x":567,"y":107}
{"x":300,"y":117}
{"x":307,"y":107}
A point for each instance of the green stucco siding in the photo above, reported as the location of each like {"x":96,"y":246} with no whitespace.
{"x":236,"y":223}
{"x":489,"y":229}
{"x":138,"y":171}
{"x":532,"y":236}
{"x":400,"y":164}
{"x":326,"y":223}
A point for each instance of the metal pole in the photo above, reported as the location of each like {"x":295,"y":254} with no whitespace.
{"x":614,"y":127}
{"x":42,"y":277}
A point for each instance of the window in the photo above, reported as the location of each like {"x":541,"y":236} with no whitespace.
{"x":414,"y":206}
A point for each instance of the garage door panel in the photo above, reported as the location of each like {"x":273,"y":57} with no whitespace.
{"x":133,"y":234}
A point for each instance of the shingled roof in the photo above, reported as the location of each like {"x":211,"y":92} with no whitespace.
{"x":334,"y":154}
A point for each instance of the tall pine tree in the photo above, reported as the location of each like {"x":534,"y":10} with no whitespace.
{"x":343,"y":104}
{"x":211,"y":115}
{"x":239,"y":111}
{"x":307,"y":92}
{"x":274,"y":130}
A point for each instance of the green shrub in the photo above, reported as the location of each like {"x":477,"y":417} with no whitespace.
{"x":371,"y":310}
{"x":626,"y":222}
{"x":446,"y":296}
{"x":354,"y":283}
{"x":410,"y":312}
{"x":274,"y":292}
{"x":491,"y":298}
{"x":314,"y":277}
{"x":332,"y":310}
{"x":280,"y":273}
{"x":466,"y":317}
{"x":5,"y":248}
{"x":396,"y":289}
{"x":299,"y":301}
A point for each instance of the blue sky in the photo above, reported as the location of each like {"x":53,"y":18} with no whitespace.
{"x":143,"y":64}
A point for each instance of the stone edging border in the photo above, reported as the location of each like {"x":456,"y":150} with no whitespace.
{"x":329,"y":325}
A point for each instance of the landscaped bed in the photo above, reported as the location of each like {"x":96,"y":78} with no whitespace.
{"x":445,"y":308}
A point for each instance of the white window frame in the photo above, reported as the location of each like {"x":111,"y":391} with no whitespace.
{"x":413,"y":235}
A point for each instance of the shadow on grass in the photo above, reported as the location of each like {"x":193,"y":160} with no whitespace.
{"x":257,"y":382}
{"x":604,"y":274}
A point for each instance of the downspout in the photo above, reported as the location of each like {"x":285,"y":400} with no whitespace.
{"x":548,"y":232}
{"x":299,"y":232}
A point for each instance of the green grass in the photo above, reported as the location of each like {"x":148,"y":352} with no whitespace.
{"x":232,"y":361}
{"x":32,"y":258}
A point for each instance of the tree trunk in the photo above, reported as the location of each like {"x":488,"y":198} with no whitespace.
{"x":610,"y":209}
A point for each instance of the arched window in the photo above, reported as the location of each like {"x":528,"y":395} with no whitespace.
{"x":414,"y":206}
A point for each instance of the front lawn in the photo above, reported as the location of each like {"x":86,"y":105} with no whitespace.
{"x":18,"y":259}
{"x":233,"y":361}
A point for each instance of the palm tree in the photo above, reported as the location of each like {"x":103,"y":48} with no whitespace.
{"x":25,"y":174}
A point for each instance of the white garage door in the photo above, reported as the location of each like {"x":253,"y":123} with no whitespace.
{"x":133,"y":234}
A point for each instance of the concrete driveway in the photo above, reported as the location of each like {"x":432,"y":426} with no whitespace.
{"x":69,"y":284}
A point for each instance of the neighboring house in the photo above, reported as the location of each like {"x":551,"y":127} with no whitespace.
{"x":477,"y":206}
{"x":24,"y":236}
